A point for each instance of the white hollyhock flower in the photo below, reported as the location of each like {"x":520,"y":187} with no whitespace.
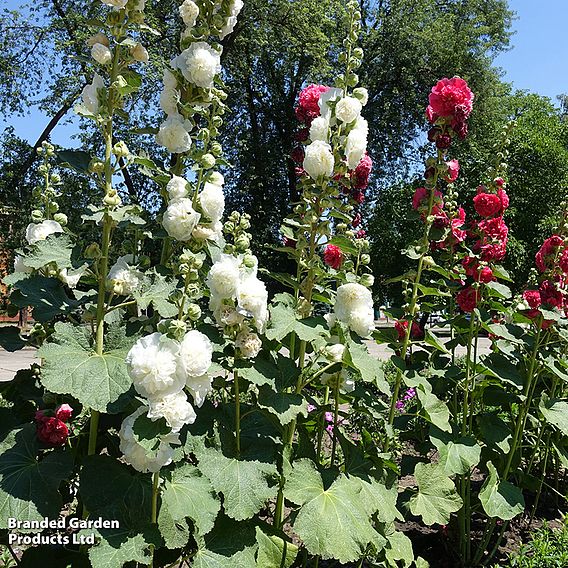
{"x":216,"y":178}
{"x":174,"y":135}
{"x":180,"y":218}
{"x":362,"y":94}
{"x":101,"y":54}
{"x":97,"y":38}
{"x":354,"y":307}
{"x":122,"y":278}
{"x":177,"y":187}
{"x":40,"y":231}
{"x":319,"y":129}
{"x":348,"y":109}
{"x":224,"y":277}
{"x":248,"y":343}
{"x":188,"y":12}
{"x":199,"y":387}
{"x":236,"y":7}
{"x":208,"y":233}
{"x":136,"y":455}
{"x":140,"y":53}
{"x":334,"y":353}
{"x":175,"y":408}
{"x":228,"y":315}
{"x":195,"y":353}
{"x":332,"y":94}
{"x":115,"y":3}
{"x":20,"y":264}
{"x":356,"y":144}
{"x":169,"y":79}
{"x":152,"y":365}
{"x":318,"y":159}
{"x":90,"y":94}
{"x":212,"y":201}
{"x":70,"y":280}
{"x":169,"y":99}
{"x":253,"y":300}
{"x":199,"y":64}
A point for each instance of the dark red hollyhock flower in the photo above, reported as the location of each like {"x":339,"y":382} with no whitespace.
{"x":64,"y":412}
{"x":471,"y":266}
{"x":433,"y":133}
{"x":52,"y":431}
{"x":302,"y":135}
{"x":563,"y":261}
{"x":361,"y":234}
{"x":416,"y":332}
{"x":460,"y":128}
{"x":358,"y":196}
{"x":356,"y":220}
{"x":289,"y":242}
{"x":467,"y":299}
{"x":550,"y":294}
{"x":298,"y":154}
{"x":547,"y":251}
{"x":486,"y":275}
{"x":360,"y":175}
{"x":299,"y":171}
{"x":441,"y":220}
{"x":308,"y":99}
{"x":532,"y":298}
{"x":487,"y":204}
{"x":333,"y":256}
{"x":443,"y":142}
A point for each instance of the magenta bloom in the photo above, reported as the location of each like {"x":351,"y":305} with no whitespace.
{"x":308,"y":103}
{"x":450,"y":98}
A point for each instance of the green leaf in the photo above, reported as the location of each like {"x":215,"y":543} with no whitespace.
{"x":555,"y":411}
{"x":148,"y":433}
{"x":562,"y":452}
{"x":284,"y":405}
{"x":29,"y":485}
{"x":437,"y":497}
{"x":368,"y":366}
{"x":56,"y":248}
{"x":331,"y":522}
{"x":498,"y":290}
{"x":189,"y":494}
{"x":433,"y":341}
{"x":46,"y":295}
{"x":399,"y":548}
{"x":495,"y":431}
{"x":174,"y":533}
{"x":112,"y":490}
{"x":119,"y":546}
{"x":284,"y":321}
{"x":246,"y":485}
{"x":156,"y":292}
{"x":71,"y":367}
{"x":500,"y":499}
{"x":344,"y":244}
{"x":437,"y":411}
{"x":378,"y":498}
{"x":128,"y":82}
{"x":74,"y":159}
{"x":10,"y":339}
{"x":274,"y":551}
{"x":456,"y":456}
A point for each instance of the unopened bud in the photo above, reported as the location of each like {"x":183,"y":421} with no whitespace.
{"x":120,"y":149}
{"x":193,"y":312}
{"x":367,"y":280}
{"x":96,"y":166}
{"x":37,"y":216}
{"x":112,"y":199}
{"x":61,"y":218}
{"x":242,"y":243}
{"x":249,"y":260}
{"x":365,"y":259}
{"x":208,"y":161}
{"x":92,"y":251}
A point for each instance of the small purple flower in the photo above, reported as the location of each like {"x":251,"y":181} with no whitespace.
{"x":399,"y":405}
{"x":329,"y":416}
{"x":311,"y":407}
{"x":410,"y":394}
{"x":329,"y":429}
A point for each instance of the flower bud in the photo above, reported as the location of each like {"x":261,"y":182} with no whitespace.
{"x":37,"y":216}
{"x":97,"y":38}
{"x":101,"y":54}
{"x":96,"y":166}
{"x":216,"y":149}
{"x":92,"y":251}
{"x":193,"y":275}
{"x":365,"y":259}
{"x":242,"y":243}
{"x":115,"y":18}
{"x":139,"y":53}
{"x":55,"y":178}
{"x":112,"y":199}
{"x":208,"y":161}
{"x":367,"y":280}
{"x":193,"y":312}
{"x":362,"y":94}
{"x":229,"y":227}
{"x":120,"y":149}
{"x":61,"y":218}
{"x":177,"y":329}
{"x":42,"y":169}
{"x":183,"y":268}
{"x":249,"y":260}
{"x":358,"y":52}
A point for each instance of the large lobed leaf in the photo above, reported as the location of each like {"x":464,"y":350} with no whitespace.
{"x":500,"y":499}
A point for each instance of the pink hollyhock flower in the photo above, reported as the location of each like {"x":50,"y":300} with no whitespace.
{"x":329,"y":416}
{"x":547,"y":251}
{"x":356,"y":220}
{"x":487,"y":204}
{"x":420,"y":201}
{"x":499,"y":181}
{"x":532,"y":298}
{"x":467,"y":299}
{"x":333,"y":256}
{"x":550,"y":294}
{"x":361,"y":234}
{"x":452,"y":171}
{"x":451,"y":98}
{"x":308,"y":103}
{"x":494,"y":228}
{"x":63,"y":412}
{"x":52,"y":431}
{"x":458,"y":235}
{"x":486,"y":275}
{"x":399,"y":405}
{"x":360,"y":175}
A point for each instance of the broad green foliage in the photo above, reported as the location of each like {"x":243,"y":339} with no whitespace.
{"x":29,"y":487}
{"x":436,"y":498}
{"x":273,"y":551}
{"x":500,"y":499}
{"x":117,"y":547}
{"x":456,"y":456}
{"x":556,"y":413}
{"x":71,"y":366}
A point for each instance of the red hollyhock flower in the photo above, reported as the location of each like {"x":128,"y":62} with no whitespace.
{"x":471,"y":266}
{"x":547,"y":251}
{"x":451,"y":98}
{"x":333,"y":256}
{"x":550,"y":294}
{"x":298,"y":154}
{"x":358,"y":196}
{"x":486,"y":275}
{"x":52,"y":431}
{"x":493,"y":251}
{"x":453,"y":171}
{"x":360,"y":175}
{"x":416,"y":332}
{"x":502,"y":194}
{"x":457,"y":234}
{"x":532,"y":298}
{"x":467,"y":299}
{"x":494,"y":228}
{"x":64,"y":412}
{"x":308,"y":99}
{"x":361,"y":234}
{"x":356,"y":220}
{"x":487,"y":204}
{"x":563,"y":261}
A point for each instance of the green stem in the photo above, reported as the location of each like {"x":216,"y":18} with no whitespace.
{"x":335,"y":420}
{"x":237,"y":412}
{"x":321,"y":424}
{"x":154,"y":517}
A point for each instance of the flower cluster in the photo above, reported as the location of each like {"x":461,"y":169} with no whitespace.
{"x":354,"y":307}
{"x":51,"y":427}
{"x":551,"y":294}
{"x":408,"y":396}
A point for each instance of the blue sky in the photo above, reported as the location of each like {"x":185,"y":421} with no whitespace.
{"x":537,"y":62}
